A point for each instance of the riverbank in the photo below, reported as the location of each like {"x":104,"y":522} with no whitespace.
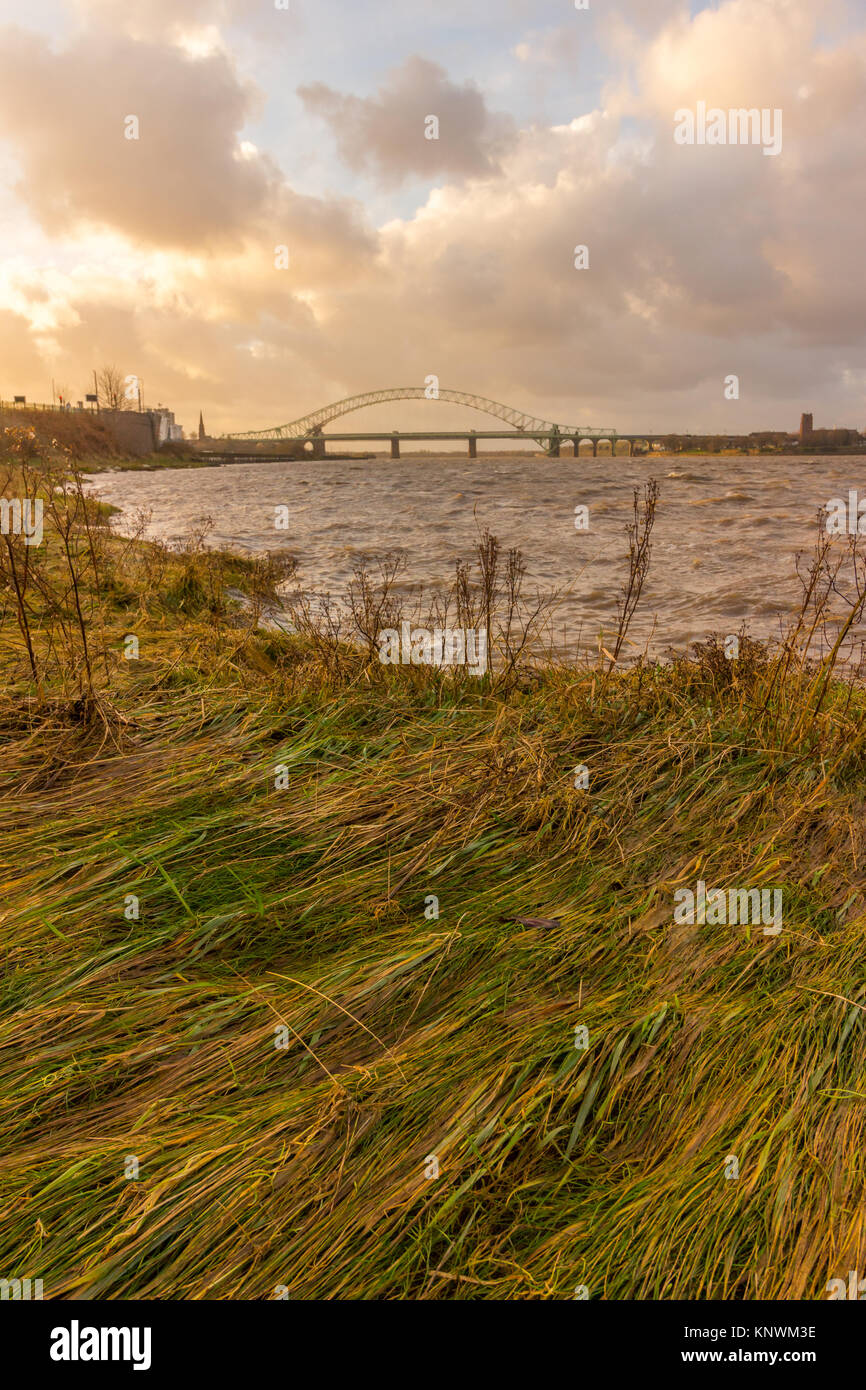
{"x":269,"y":1022}
{"x":189,"y":460}
{"x":167,"y":459}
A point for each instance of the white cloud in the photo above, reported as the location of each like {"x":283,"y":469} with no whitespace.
{"x":703,"y":260}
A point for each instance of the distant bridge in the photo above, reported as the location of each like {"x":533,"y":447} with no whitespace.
{"x":309,"y":429}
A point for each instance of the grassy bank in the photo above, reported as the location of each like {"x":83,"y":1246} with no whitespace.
{"x":303,"y":915}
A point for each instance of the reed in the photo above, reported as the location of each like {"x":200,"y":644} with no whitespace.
{"x":303,"y":1168}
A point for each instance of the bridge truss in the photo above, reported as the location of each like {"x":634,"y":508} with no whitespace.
{"x":525,"y":424}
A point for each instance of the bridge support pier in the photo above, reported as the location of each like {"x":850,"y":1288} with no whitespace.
{"x":395,"y":446}
{"x":575,"y":444}
{"x":554,"y":446}
{"x":473,"y":447}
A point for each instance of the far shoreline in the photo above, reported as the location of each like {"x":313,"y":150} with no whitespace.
{"x":153,"y":463}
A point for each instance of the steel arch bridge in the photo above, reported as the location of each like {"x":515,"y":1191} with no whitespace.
{"x":313,"y":423}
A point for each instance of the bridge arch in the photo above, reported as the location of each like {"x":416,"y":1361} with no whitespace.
{"x":317,"y":419}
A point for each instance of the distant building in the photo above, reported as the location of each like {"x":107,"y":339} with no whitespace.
{"x":817,"y":439}
{"x":166,"y":429}
{"x":834,"y":437}
{"x":202,"y":433}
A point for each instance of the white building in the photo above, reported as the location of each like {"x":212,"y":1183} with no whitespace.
{"x":166,"y":429}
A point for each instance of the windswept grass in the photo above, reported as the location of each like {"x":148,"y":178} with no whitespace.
{"x":299,"y":914}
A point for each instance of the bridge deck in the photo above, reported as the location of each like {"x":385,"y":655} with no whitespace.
{"x":442,"y":434}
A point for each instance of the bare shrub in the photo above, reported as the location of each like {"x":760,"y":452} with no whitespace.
{"x":639,"y":532}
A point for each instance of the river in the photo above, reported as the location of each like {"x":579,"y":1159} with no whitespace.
{"x":726,"y":534}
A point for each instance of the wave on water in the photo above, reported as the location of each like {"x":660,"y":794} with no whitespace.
{"x":716,"y":533}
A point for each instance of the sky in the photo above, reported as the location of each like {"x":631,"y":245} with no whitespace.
{"x":237,"y":201}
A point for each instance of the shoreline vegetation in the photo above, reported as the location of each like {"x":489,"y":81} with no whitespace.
{"x":317,"y":1030}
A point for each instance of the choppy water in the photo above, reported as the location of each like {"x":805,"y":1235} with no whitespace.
{"x":726,"y":533}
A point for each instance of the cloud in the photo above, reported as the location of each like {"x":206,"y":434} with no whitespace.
{"x":550,"y":48}
{"x":703,"y":260}
{"x":385,"y":133}
{"x":195,"y":21}
{"x":183,"y":182}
